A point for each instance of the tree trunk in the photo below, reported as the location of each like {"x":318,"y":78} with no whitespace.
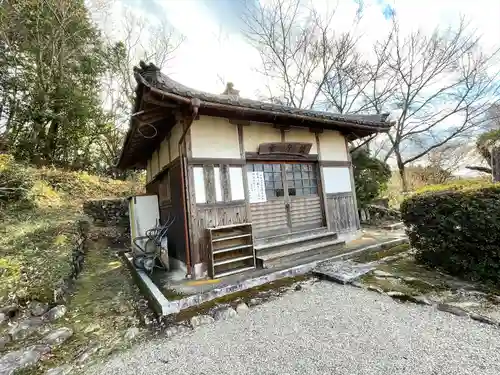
{"x":51,"y":142}
{"x":402,"y":174}
{"x":495,"y":164}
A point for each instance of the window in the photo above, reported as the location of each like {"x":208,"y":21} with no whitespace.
{"x":218,"y":183}
{"x":301,"y":179}
{"x":272,"y":178}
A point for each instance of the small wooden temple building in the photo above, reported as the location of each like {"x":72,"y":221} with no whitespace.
{"x":247,"y":181}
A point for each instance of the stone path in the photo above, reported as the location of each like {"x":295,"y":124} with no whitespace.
{"x":326,"y":328}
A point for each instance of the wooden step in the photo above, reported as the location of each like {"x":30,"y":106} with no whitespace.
{"x":326,"y":248}
{"x":304,"y":240}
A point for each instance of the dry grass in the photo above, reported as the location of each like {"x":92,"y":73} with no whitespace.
{"x":415,"y":183}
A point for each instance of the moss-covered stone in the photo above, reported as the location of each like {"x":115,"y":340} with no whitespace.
{"x":377,"y":255}
{"x":263,"y":291}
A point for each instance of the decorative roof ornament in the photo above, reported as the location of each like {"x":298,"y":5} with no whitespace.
{"x":230,"y":90}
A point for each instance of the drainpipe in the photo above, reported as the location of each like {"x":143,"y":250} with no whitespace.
{"x":195,"y":105}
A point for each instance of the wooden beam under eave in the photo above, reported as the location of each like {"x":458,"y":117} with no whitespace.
{"x":281,"y":127}
{"x":240,"y":122}
{"x":316,"y":130}
{"x":152,"y":117}
{"x":162,"y":103}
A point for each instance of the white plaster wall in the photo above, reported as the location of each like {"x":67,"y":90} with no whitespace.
{"x":175,"y":136}
{"x":337,"y":180}
{"x":154,"y":164}
{"x":214,"y":137}
{"x":255,"y":134}
{"x":164,"y":156}
{"x":302,"y":135}
{"x":333,"y":146}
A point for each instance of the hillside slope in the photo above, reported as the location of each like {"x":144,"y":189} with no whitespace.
{"x":37,"y":236}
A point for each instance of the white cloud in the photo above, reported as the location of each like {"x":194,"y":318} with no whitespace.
{"x":211,"y":49}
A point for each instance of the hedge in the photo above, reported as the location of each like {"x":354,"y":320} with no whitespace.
{"x":457,"y":231}
{"x":462,"y":184}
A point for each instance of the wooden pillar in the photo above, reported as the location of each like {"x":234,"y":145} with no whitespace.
{"x":321,"y":186}
{"x":353,"y":186}
{"x":244,"y":172}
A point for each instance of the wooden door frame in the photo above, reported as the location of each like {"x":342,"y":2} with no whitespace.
{"x":286,"y":197}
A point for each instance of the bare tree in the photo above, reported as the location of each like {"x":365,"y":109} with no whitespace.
{"x":488,"y":142}
{"x":438,"y":86}
{"x":299,"y":52}
{"x":310,"y":64}
{"x":139,"y":40}
{"x":354,"y":83}
{"x":444,"y":86}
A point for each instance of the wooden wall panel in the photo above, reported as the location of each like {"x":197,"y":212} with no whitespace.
{"x":343,"y":215}
{"x":306,"y":212}
{"x":177,"y":241}
{"x":269,"y":218}
{"x":210,"y":216}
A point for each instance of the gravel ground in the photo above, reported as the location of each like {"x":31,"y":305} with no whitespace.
{"x":324,"y":329}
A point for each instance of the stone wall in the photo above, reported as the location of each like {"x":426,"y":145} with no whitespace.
{"x":374,"y":214}
{"x":108,"y":212}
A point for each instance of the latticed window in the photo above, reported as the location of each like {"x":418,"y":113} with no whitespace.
{"x":301,"y":179}
{"x":272,"y":178}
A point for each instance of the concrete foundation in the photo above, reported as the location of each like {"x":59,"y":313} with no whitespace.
{"x":162,"y":306}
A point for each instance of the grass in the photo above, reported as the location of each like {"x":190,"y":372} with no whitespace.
{"x":101,"y":309}
{"x":173,"y":295}
{"x":36,"y":240}
{"x":417,"y":184}
{"x":34,"y":252}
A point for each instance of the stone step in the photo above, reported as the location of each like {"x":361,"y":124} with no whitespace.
{"x":301,"y":254}
{"x":284,"y":245}
{"x":394,"y":226}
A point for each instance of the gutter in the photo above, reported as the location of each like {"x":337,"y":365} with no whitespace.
{"x":381,"y":126}
{"x":378,"y":128}
{"x":195,"y":105}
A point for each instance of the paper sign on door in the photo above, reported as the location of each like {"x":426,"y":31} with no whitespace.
{"x":256,"y":187}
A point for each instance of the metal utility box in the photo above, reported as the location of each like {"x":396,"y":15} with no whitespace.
{"x":144,"y":214}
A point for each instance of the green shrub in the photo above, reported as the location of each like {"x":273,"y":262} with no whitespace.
{"x":457,"y":230}
{"x":370,"y":176}
{"x":15,"y":182}
{"x":463,"y":184}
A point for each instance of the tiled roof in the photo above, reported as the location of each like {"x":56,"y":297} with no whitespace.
{"x":150,"y":75}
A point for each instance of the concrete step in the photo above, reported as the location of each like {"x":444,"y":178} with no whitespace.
{"x":283,"y":245}
{"x":301,"y":254}
{"x":289,"y":236}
